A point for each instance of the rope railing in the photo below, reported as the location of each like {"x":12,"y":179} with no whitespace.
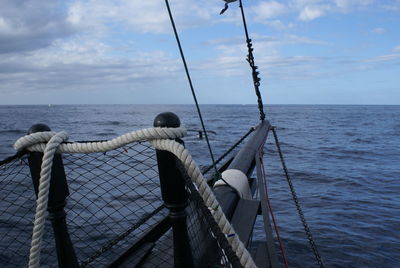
{"x":160,"y":138}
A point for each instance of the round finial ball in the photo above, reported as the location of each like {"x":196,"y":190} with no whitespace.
{"x":38,"y":128}
{"x":167,"y":119}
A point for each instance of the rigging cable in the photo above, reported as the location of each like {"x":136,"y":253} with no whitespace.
{"x":207,"y":169}
{"x":9,"y":159}
{"x":264,"y":178}
{"x":297,"y":203}
{"x":191,"y":85}
{"x":250,"y":59}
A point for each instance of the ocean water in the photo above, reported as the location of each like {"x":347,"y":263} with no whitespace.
{"x":344,"y":163}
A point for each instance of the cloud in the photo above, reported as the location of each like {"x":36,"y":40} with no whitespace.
{"x":378,"y":30}
{"x":279,"y":25}
{"x":145,"y":16}
{"x":230,"y":60}
{"x":121,"y":46}
{"x":312,"y":12}
{"x":141,"y":16}
{"x":313,"y":9}
{"x":83,"y":64}
{"x":310,"y":9}
{"x":267,"y":10}
{"x":71,"y":44}
{"x":384,"y":58}
{"x":266,"y":39}
{"x":348,"y":5}
{"x":295,"y":39}
{"x":392,"y":6}
{"x":31,"y":24}
{"x":239,"y":40}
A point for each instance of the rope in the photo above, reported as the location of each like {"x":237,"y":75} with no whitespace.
{"x":43,"y":196}
{"x":208,"y":197}
{"x":160,"y":139}
{"x":190,"y":84}
{"x":264,"y":176}
{"x":297,"y":203}
{"x":216,"y":231}
{"x":250,"y":59}
{"x":36,"y":141}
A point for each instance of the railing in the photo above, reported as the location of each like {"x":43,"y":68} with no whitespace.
{"x":58,"y":194}
{"x":115,"y":205}
{"x":245,"y":162}
{"x":112,"y":200}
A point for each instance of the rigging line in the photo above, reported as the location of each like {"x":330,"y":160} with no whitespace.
{"x":264,"y":176}
{"x":191,"y":85}
{"x":207,"y":169}
{"x":9,"y":159}
{"x":250,"y":59}
{"x":297,"y":203}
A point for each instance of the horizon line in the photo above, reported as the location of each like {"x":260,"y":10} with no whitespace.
{"x":244,"y":104}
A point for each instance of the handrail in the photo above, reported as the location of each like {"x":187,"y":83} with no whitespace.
{"x":245,"y":162}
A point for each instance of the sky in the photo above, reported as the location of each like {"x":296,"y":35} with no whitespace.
{"x":124,"y":52}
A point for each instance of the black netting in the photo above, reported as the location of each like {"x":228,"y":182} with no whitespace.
{"x":114,"y":200}
{"x":113,"y":193}
{"x":209,"y":245}
{"x":16,"y":208}
{"x":205,"y":249}
{"x":162,"y":254}
{"x":208,"y":248}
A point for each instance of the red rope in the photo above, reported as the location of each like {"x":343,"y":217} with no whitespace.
{"x":272,"y":214}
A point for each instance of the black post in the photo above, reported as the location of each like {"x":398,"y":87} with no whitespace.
{"x":174,"y":194}
{"x":58,"y":193}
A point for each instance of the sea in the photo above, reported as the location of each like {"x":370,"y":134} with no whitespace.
{"x":344,"y":161}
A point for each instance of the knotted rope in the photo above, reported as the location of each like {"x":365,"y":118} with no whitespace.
{"x":160,"y":138}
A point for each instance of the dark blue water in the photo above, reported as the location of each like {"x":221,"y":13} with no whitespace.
{"x":344,"y":162}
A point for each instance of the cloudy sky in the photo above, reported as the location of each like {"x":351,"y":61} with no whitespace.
{"x":123,"y":51}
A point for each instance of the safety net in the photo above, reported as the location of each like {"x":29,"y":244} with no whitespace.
{"x":114,"y":200}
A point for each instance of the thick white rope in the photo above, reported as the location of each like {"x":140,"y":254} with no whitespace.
{"x":43,"y":197}
{"x":208,"y":197}
{"x":37,"y":141}
{"x":160,"y":138}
